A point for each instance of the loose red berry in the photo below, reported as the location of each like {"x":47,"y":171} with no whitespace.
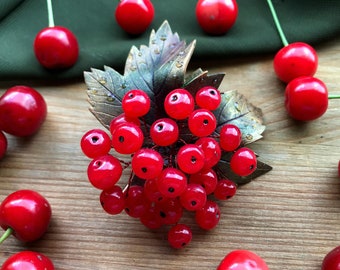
{"x":134,"y":16}
{"x":208,"y":217}
{"x":136,"y":103}
{"x":22,"y":111}
{"x":112,"y":200}
{"x":332,"y":260}
{"x":179,"y":236}
{"x":179,"y":104}
{"x":216,"y":17}
{"x":3,"y":144}
{"x":242,"y":259}
{"x":26,"y":214}
{"x":306,"y":98}
{"x":104,"y":172}
{"x":243,"y":162}
{"x":95,"y":143}
{"x":295,"y":60}
{"x":29,"y":260}
{"x":56,"y":47}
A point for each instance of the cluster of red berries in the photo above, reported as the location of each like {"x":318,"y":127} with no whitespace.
{"x":172,"y":168}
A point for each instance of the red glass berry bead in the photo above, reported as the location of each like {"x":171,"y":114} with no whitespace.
{"x":122,"y":119}
{"x":127,"y":138}
{"x":29,"y":260}
{"x":104,"y":172}
{"x":225,"y":189}
{"x":136,"y":103}
{"x":3,"y":144}
{"x":207,"y":178}
{"x":295,"y":60}
{"x":190,"y":158}
{"x":151,"y":218}
{"x":147,"y":163}
{"x":170,"y":211}
{"x":230,"y":137}
{"x":202,"y":122}
{"x":164,"y":132}
{"x":151,"y":191}
{"x":172,"y":182}
{"x":56,"y":47}
{"x":133,"y":16}
{"x":208,"y":98}
{"x":179,"y":235}
{"x":22,"y":111}
{"x":194,"y":197}
{"x":211,"y":150}
{"x":135,"y":202}
{"x":95,"y":143}
{"x":112,"y":200}
{"x":216,"y":17}
{"x":208,"y":217}
{"x":243,"y":162}
{"x":179,"y":104}
{"x":306,"y":98}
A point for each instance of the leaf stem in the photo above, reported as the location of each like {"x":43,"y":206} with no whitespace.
{"x":277,"y":23}
{"x":50,"y":13}
{"x":335,"y":96}
{"x":6,"y":234}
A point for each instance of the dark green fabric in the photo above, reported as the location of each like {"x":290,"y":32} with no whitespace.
{"x":102,"y":42}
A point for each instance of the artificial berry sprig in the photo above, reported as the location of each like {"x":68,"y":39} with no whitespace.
{"x":55,"y":47}
{"x":306,"y":97}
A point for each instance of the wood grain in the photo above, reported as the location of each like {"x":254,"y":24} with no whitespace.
{"x":290,"y":216}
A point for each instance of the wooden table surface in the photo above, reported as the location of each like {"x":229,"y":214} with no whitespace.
{"x":289,"y":216}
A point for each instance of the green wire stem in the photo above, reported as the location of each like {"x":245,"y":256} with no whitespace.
{"x":333,"y":96}
{"x":6,"y":234}
{"x":277,"y":23}
{"x":50,"y":13}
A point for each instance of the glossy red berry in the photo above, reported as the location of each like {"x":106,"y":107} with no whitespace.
{"x":211,"y":149}
{"x":147,"y":163}
{"x":202,"y":122}
{"x":151,"y":218}
{"x":208,"y":98}
{"x":122,"y":119}
{"x":104,"y":172}
{"x":190,"y":158}
{"x":95,"y":143}
{"x":134,"y":16}
{"x":136,"y":103}
{"x":56,"y":47}
{"x":179,"y":236}
{"x":243,"y":259}
{"x":112,"y":200}
{"x":151,"y":191}
{"x":135,"y":202}
{"x":164,"y":132}
{"x":230,"y":137}
{"x":207,"y":178}
{"x":172,"y":182}
{"x":225,"y":189}
{"x":170,"y":211}
{"x":243,"y":162}
{"x":22,"y":111}
{"x":332,"y":260}
{"x":179,"y":104}
{"x":25,"y":213}
{"x":295,"y":60}
{"x":208,"y":217}
{"x":127,"y":138}
{"x":28,"y":260}
{"x":3,"y":144}
{"x":306,"y":98}
{"x":216,"y":17}
{"x":194,"y":197}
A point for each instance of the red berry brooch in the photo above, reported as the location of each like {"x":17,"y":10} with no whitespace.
{"x":182,"y":142}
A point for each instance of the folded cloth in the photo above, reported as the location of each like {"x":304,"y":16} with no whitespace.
{"x":103,"y":42}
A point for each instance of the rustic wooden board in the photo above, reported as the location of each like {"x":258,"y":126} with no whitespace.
{"x":290,"y":216}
